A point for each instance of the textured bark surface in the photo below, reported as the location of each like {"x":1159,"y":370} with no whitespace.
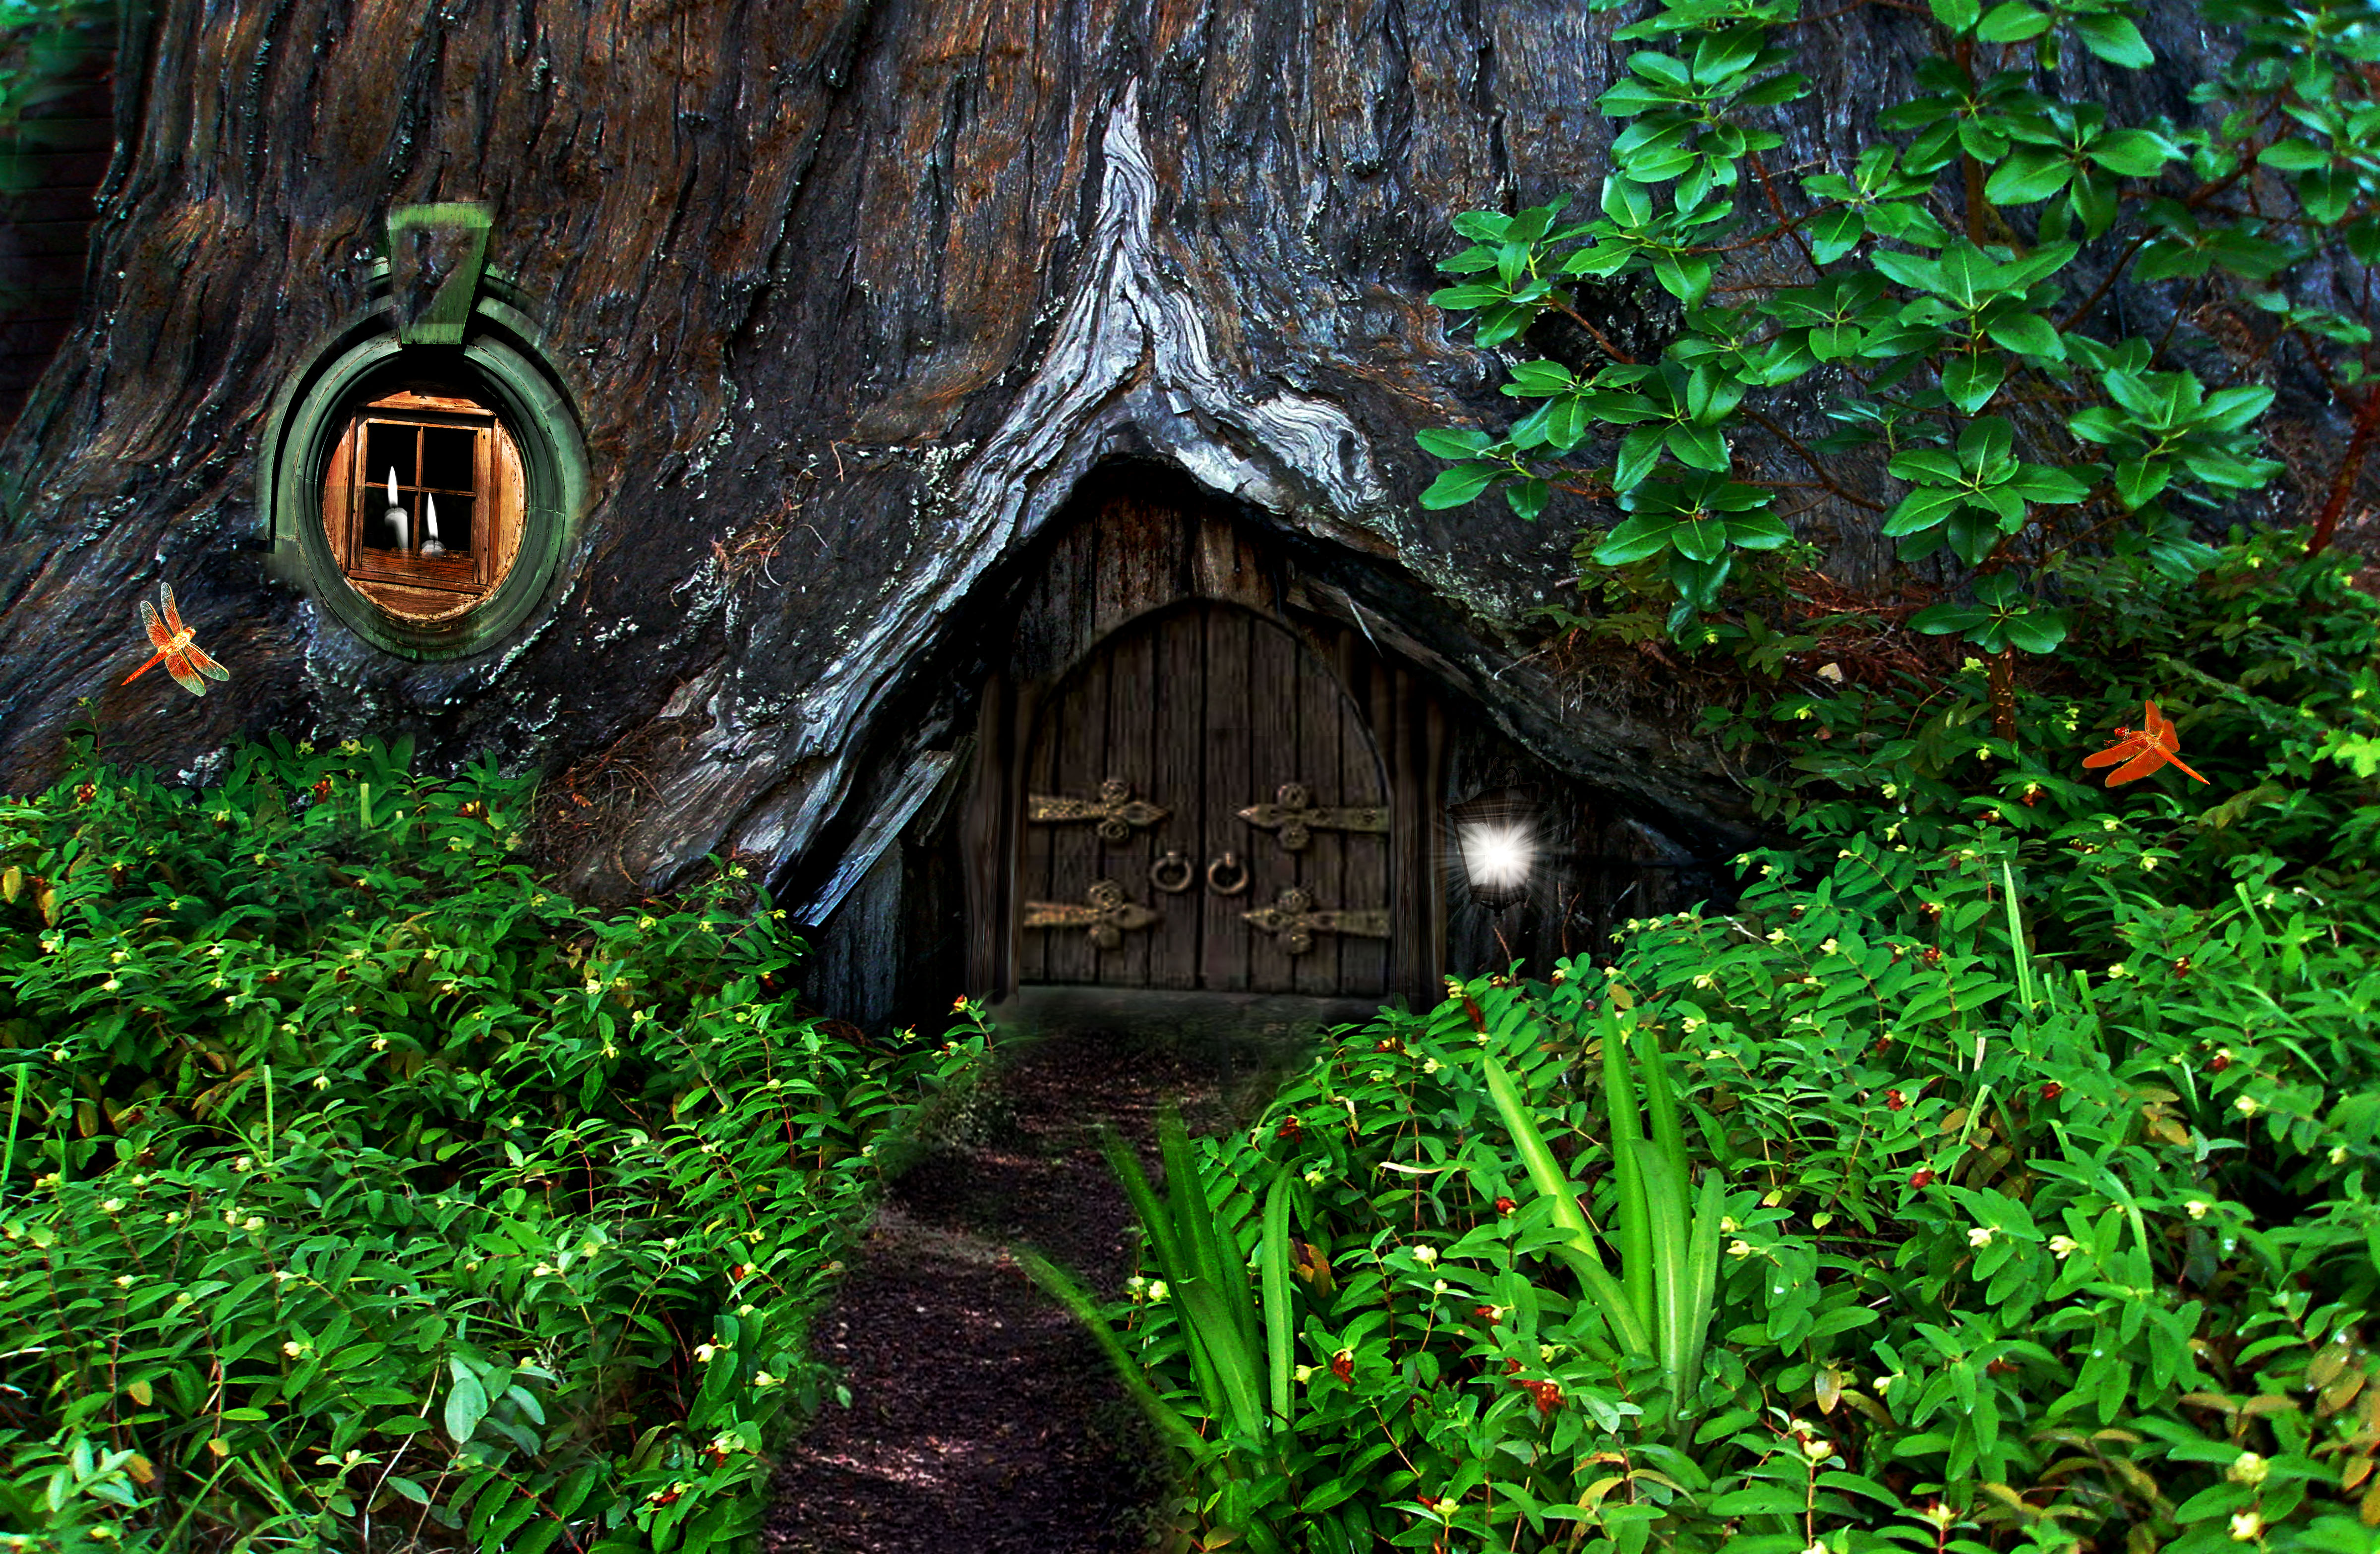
{"x":847,"y":298}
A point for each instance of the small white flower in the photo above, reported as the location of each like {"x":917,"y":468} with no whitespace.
{"x":2248,"y":1468}
{"x":1305,"y":1374}
{"x":1438,"y":1287}
{"x":2246,"y":1527}
{"x":2247,"y":1105}
{"x":2339,"y":1154}
{"x":380,"y":1044}
{"x":1818,"y":1451}
{"x":761,"y":1379}
{"x":113,"y":1205}
{"x":1431,"y":1066}
{"x":1727,"y":1224}
{"x":243,"y":1163}
{"x":2064,"y":1246}
{"x":1156,"y":1292}
{"x":1979,"y":1236}
{"x":1739,"y":1249}
{"x":2196,"y":1208}
{"x":1546,"y":1352}
{"x":1425,"y":1255}
{"x":704,"y":1352}
{"x":321,"y":1081}
{"x":124,"y":1281}
{"x":253,"y":1222}
{"x":295,"y":1350}
{"x":1316,"y":1177}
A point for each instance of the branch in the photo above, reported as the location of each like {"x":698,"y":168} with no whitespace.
{"x":1811,"y":460}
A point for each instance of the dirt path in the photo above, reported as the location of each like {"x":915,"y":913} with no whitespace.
{"x":981,"y":1421}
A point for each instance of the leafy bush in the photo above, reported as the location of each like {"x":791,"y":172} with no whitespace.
{"x":362,"y":1192}
{"x":1954,"y":291}
{"x":2046,"y":1118}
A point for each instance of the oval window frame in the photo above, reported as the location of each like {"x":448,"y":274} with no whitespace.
{"x":510,"y":375}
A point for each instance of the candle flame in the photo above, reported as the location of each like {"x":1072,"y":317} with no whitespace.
{"x":392,"y":485}
{"x":430,"y":514}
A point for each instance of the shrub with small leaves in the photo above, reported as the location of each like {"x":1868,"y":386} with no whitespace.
{"x":362,"y":1192}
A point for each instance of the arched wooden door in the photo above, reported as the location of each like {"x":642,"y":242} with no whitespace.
{"x":1205,"y":809}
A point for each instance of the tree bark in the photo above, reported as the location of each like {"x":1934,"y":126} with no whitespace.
{"x":847,"y":298}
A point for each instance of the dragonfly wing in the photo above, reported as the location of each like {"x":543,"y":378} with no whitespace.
{"x":159,"y":638}
{"x":203,"y":664}
{"x":2138,"y":767}
{"x":173,"y":616}
{"x":2160,"y":729}
{"x":179,"y":666}
{"x":2123,"y":749}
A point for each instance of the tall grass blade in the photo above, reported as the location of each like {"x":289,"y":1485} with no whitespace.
{"x":1168,"y":1420}
{"x":1702,"y":1258}
{"x":1547,"y":1173}
{"x":2025,"y":991}
{"x":1278,"y":1316}
{"x":15,"y":1112}
{"x":1634,"y":1239}
{"x":1672,"y":1275}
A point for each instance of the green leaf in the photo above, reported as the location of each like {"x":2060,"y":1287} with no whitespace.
{"x":1461,"y":484}
{"x":1453,"y":442}
{"x":1958,"y":16}
{"x":2034,"y":173}
{"x":2134,"y":154}
{"x":1941,"y":620}
{"x":1971,"y":381}
{"x":467,"y":1401}
{"x":1835,"y":233}
{"x":2013,"y":22}
{"x":2139,"y":481}
{"x":2036,"y":631}
{"x":1634,"y":539}
{"x":2026,"y":335}
{"x":2115,"y":40}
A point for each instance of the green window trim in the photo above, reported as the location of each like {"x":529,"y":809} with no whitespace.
{"x":499,"y":351}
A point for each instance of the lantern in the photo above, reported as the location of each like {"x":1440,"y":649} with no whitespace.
{"x":1495,"y":835}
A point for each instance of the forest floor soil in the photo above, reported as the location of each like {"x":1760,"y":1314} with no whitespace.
{"x":981,"y":1419}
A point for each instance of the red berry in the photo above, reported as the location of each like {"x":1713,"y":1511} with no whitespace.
{"x":2218,"y":1063}
{"x":1894,"y":1100}
{"x":2052,"y":1090}
{"x":1505,"y":1206}
{"x":1921,"y":1177}
{"x":1343,"y":1364}
{"x":1487,"y":1313}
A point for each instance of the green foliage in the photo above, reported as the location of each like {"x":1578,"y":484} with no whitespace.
{"x":2041,"y":1118}
{"x":1945,"y":296}
{"x":362,"y":1191}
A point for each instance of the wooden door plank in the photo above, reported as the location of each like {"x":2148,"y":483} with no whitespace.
{"x":1227,"y":783}
{"x":1129,"y":756}
{"x":1079,"y":754}
{"x":1273,"y":722}
{"x":1179,"y":740}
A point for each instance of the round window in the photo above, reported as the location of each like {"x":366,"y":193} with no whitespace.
{"x":426,"y":495}
{"x":422,"y":503}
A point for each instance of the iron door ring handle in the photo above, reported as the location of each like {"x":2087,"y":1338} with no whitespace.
{"x":1173,"y":873}
{"x":1228,"y":863}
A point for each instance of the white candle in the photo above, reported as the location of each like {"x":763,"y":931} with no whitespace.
{"x":392,"y":485}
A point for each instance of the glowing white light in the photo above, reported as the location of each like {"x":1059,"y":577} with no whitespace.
{"x":1496,"y":857}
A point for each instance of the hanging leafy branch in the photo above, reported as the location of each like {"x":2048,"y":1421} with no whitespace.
{"x":1947,"y":295}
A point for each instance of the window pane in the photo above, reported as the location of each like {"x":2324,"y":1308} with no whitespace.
{"x":379,"y":534}
{"x":446,"y":460}
{"x":453,"y":523}
{"x":388,"y":447}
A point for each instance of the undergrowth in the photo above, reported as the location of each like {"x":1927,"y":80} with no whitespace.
{"x":360,"y":1192}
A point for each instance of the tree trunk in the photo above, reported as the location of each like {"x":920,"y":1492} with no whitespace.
{"x":845,"y":299}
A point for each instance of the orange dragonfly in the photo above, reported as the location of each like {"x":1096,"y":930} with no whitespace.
{"x":184,"y":660}
{"x":2141,"y":751}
